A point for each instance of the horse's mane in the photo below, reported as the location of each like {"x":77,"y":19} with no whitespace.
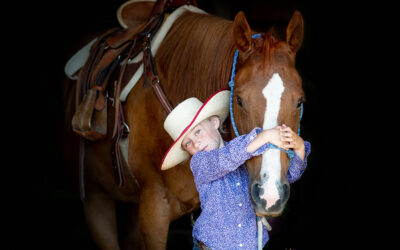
{"x":196,"y":56}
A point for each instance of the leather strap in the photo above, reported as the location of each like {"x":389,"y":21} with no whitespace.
{"x":120,"y":128}
{"x":150,"y":71}
{"x":122,"y":132}
{"x":82,"y":153}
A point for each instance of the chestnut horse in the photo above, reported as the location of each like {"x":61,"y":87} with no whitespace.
{"x":195,"y":59}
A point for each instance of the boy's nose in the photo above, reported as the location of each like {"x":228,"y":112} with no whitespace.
{"x":197,"y":145}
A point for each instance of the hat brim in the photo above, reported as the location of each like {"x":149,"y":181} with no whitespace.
{"x":217,"y":104}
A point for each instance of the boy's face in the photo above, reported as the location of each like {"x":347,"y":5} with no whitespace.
{"x":203,"y":137}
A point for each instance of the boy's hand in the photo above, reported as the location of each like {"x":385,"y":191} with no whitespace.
{"x":269,"y":135}
{"x":292,"y":140}
{"x":280,"y":136}
{"x":274,"y":136}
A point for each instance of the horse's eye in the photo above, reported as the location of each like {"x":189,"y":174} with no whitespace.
{"x":239,"y":101}
{"x":300,"y":101}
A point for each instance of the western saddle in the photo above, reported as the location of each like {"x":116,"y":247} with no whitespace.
{"x":114,"y":48}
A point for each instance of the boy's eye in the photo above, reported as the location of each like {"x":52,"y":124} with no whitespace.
{"x":187,"y":144}
{"x":197,"y":132}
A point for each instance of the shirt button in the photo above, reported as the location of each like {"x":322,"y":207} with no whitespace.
{"x":251,"y":137}
{"x":240,"y":245}
{"x":240,"y":204}
{"x":239,"y":225}
{"x":237,"y":183}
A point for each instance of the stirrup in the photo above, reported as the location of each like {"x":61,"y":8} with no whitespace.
{"x":88,"y":122}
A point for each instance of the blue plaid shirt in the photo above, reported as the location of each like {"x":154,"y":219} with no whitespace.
{"x":228,"y":220}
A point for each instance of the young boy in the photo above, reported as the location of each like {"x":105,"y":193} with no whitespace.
{"x":220,"y":176}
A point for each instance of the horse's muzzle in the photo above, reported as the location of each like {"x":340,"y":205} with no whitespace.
{"x":275,"y":205}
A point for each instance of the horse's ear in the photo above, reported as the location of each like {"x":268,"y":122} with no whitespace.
{"x":241,"y":33}
{"x":294,"y":31}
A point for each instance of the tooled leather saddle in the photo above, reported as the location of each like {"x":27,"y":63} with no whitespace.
{"x":111,"y":51}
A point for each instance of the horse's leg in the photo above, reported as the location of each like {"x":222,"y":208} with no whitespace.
{"x":154,"y":214}
{"x":100,"y":215}
{"x":132,"y":240}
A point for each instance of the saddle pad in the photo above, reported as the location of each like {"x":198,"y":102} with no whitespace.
{"x":78,"y":60}
{"x":155,"y":44}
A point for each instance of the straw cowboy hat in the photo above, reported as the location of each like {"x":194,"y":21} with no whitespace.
{"x":186,"y":116}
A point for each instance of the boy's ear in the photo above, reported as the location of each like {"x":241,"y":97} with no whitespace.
{"x":215,"y":121}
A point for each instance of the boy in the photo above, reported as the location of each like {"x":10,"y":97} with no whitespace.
{"x":220,"y":176}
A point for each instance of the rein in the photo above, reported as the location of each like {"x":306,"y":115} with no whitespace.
{"x":260,"y":220}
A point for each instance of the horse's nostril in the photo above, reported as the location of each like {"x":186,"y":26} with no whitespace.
{"x":255,"y":192}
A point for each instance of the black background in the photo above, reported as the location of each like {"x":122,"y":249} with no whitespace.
{"x":333,"y":206}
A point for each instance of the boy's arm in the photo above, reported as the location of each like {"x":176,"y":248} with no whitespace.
{"x":209,"y":166}
{"x":298,"y":165}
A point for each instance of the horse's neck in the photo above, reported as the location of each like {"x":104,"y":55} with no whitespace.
{"x":196,"y":57}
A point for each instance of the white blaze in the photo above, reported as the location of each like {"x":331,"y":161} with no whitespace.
{"x":271,"y":159}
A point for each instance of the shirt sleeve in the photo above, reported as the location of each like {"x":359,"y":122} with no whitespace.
{"x":209,"y":166}
{"x":297,"y":165}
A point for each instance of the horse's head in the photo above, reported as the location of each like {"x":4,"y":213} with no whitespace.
{"x":268,"y":92}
